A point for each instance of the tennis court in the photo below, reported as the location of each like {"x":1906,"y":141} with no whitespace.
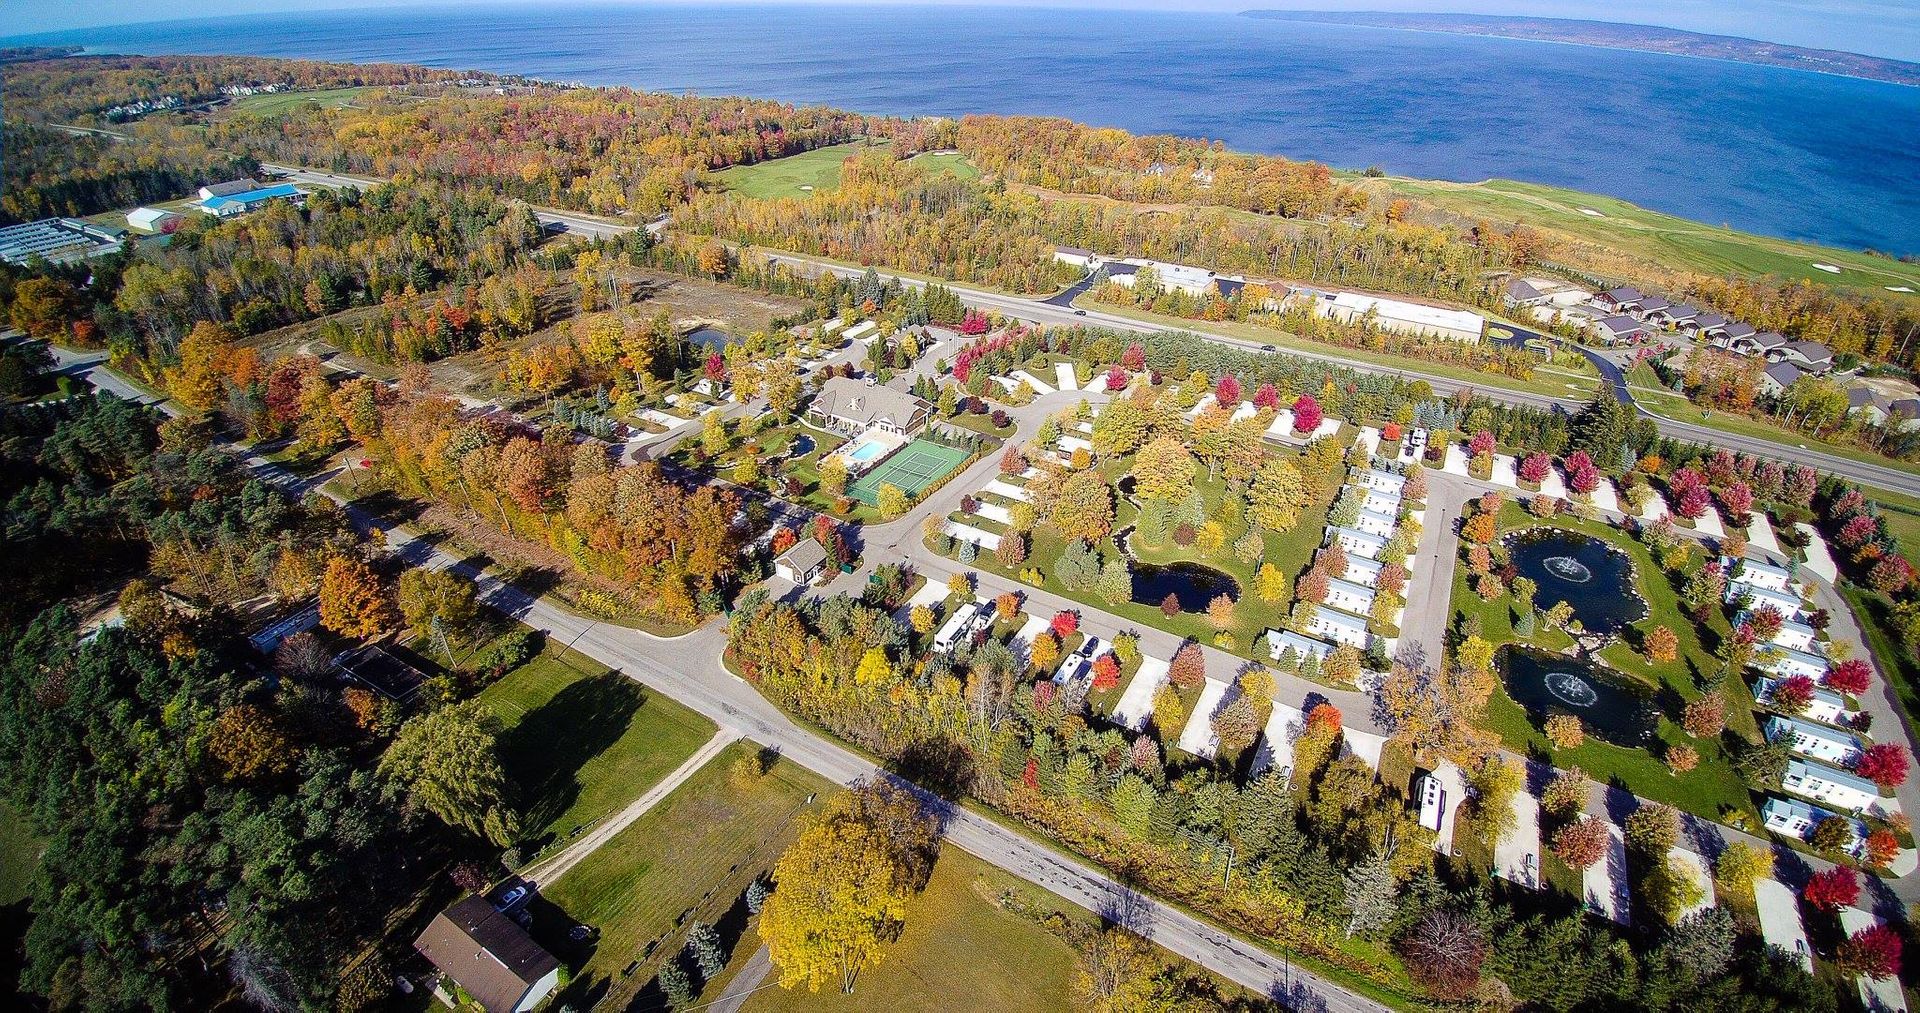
{"x":912,"y":469}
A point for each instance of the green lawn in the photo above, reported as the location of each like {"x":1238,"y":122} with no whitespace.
{"x":819,"y":170}
{"x":1291,"y":551}
{"x":1712,"y":788}
{"x":687,"y":859}
{"x":1659,"y":238}
{"x":286,"y":101}
{"x":19,"y":856}
{"x":961,"y":948}
{"x":582,"y":742}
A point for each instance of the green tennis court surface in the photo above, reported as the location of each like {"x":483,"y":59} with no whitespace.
{"x":912,"y":468}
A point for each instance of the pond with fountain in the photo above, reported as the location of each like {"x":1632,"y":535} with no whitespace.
{"x":1611,"y":707}
{"x":1595,"y":578}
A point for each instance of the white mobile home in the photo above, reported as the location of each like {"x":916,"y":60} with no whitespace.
{"x":1362,"y":571}
{"x":1785,"y":663}
{"x":1355,"y":598}
{"x":1378,"y":481}
{"x":1357,"y":543}
{"x":1374,"y":523}
{"x":1817,"y":741}
{"x":1761,"y":574}
{"x":1836,"y":787}
{"x":1826,"y":707}
{"x":1340,"y":627}
{"x":1796,"y":819}
{"x":1279,"y":642}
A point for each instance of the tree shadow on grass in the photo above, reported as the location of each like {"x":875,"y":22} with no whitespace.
{"x":545,"y":751}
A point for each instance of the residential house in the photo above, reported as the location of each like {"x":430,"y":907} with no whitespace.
{"x":1759,"y":573}
{"x":1840,"y":788}
{"x":491,"y":958}
{"x":1340,"y":627}
{"x":847,"y":405}
{"x":1074,"y":255}
{"x":1357,"y":543}
{"x":1279,"y":642}
{"x":1754,"y":597}
{"x":1765,"y":343}
{"x":1355,"y":598}
{"x":1705,"y":325}
{"x":1620,"y":300}
{"x":1672,"y":317}
{"x":1777,"y":377}
{"x":1362,"y":571}
{"x":1618,"y":328}
{"x":1650,"y":307}
{"x":1376,"y":480}
{"x":1785,"y":662}
{"x":1793,"y":636}
{"x":1520,"y":295}
{"x":1826,"y":706}
{"x":1818,"y":741}
{"x":1811,"y":356}
{"x":1796,"y":819}
{"x":803,"y":563}
{"x":1375,"y":523}
{"x":1731,"y":334}
{"x":1380,"y":502}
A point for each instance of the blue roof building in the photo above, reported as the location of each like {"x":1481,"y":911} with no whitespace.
{"x":240,"y":203}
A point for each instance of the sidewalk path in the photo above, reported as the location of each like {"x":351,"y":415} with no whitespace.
{"x":557,"y":866}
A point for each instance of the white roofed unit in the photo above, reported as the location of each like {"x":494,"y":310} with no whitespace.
{"x":1762,"y":574}
{"x":1360,"y":543}
{"x":1826,"y":706}
{"x":1279,"y":642}
{"x":1356,"y":598}
{"x":1785,"y":663}
{"x":1361,"y":570}
{"x":1340,"y":627}
{"x":1793,"y":635}
{"x":1756,"y":597}
{"x":1403,"y":317}
{"x":1375,"y":523}
{"x":1836,"y":787}
{"x":1378,"y":481}
{"x":1808,"y":739}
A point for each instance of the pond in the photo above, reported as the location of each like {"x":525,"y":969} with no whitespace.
{"x":709,"y":337}
{"x":1192,"y":584}
{"x":1585,"y":572}
{"x":1611,"y":707}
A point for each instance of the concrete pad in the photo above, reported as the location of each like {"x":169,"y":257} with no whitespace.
{"x":1007,"y":489}
{"x":1328,"y":426}
{"x":1554,"y":485}
{"x":1780,"y":923}
{"x":993,"y":512}
{"x":1760,"y":535}
{"x":1819,"y":559}
{"x":1023,"y":638}
{"x":1244,"y":411}
{"x":1709,"y":523}
{"x":1197,"y":736}
{"x":932,"y":593}
{"x":1516,"y":858}
{"x":1282,"y":424}
{"x":1200,"y":407}
{"x":1875,"y":994}
{"x":967,"y":533}
{"x":1456,"y":461}
{"x":1135,"y":705}
{"x":1455,"y":782}
{"x":1085,"y":428}
{"x":1695,"y":868}
{"x":1007,"y":383}
{"x":1605,"y":881}
{"x":1366,"y":745}
{"x":1276,"y":743}
{"x":1506,"y":471}
{"x":1605,"y":498}
{"x":1073,"y":443}
{"x":1039,"y":386}
{"x":1655,"y":508}
{"x":1064,"y":377}
{"x":1370,"y":439}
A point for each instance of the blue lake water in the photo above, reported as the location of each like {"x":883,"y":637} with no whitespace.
{"x":1776,"y":151}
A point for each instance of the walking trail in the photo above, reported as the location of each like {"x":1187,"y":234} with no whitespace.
{"x":557,"y":866}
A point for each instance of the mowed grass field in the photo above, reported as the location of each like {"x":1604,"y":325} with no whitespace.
{"x":1661,"y":238}
{"x":280,"y":102}
{"x":819,"y":170}
{"x":581,"y":741}
{"x":689,"y":858}
{"x":960,"y":949}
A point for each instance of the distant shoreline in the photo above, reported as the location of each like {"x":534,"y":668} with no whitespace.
{"x":1635,"y":38}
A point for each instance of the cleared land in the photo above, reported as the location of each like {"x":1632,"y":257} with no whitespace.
{"x":582,"y":741}
{"x":285,"y":101}
{"x":1660,"y":238}
{"x":687,"y":859}
{"x":819,"y":170}
{"x":960,"y":940}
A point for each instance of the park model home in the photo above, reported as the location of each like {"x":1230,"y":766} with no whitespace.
{"x":1816,"y":741}
{"x":1826,"y":705}
{"x":1340,"y":627}
{"x":1831,"y":785}
{"x":489,"y":957}
{"x":1764,"y":576}
{"x":1357,"y":543}
{"x":1796,"y":819}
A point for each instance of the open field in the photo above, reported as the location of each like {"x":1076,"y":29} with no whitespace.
{"x":1660,"y":238}
{"x":959,"y":941}
{"x":819,"y":169}
{"x":582,"y":742}
{"x":687,"y":859}
{"x":282,"y":102}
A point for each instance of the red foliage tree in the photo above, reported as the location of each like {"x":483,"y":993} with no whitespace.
{"x":1116,"y":379}
{"x":1882,"y":848}
{"x":1534,"y":468}
{"x":1134,"y":358}
{"x":1737,"y":500}
{"x":1857,"y":531}
{"x":783,"y":539}
{"x":1890,"y":575}
{"x":1584,"y":480}
{"x":716,"y":367}
{"x":1106,"y":671}
{"x":1694,"y":502}
{"x":1065,"y":624}
{"x":1313,"y":587}
{"x":1852,"y":676}
{"x":1873,"y":951}
{"x":1766,"y":621}
{"x":1793,"y":694}
{"x":1885,"y":764}
{"x":1306,"y":414}
{"x":1227,"y":391}
{"x":1268,"y":396}
{"x":1832,"y":889}
{"x":1188,"y":669}
{"x":1482,"y":443}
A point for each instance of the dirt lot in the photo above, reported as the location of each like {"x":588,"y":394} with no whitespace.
{"x":692,"y":303}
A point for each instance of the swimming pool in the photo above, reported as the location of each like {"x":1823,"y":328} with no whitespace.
{"x":866,"y":452}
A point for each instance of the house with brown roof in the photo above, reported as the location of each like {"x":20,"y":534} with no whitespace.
{"x":847,"y":405}
{"x":489,"y":957}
